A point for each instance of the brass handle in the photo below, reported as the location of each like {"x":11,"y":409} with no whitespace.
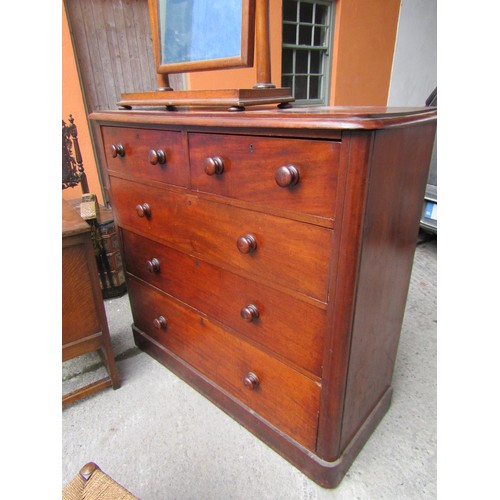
{"x":287,"y":176}
{"x":213,"y":165}
{"x":153,"y":265}
{"x":249,"y":313}
{"x":160,"y":323}
{"x":143,"y":210}
{"x":117,"y":150}
{"x":251,"y":381}
{"x":247,"y":243}
{"x":157,"y":156}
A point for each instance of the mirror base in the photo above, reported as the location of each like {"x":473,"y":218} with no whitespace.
{"x":224,"y":97}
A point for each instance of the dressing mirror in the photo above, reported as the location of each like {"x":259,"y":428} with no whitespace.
{"x":200,"y":35}
{"x":192,"y":35}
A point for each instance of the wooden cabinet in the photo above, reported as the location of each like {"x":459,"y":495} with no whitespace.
{"x":84,"y":323}
{"x":268,"y":256}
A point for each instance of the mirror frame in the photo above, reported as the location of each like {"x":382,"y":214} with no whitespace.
{"x":247,"y":44}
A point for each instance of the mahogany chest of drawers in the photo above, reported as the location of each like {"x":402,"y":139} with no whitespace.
{"x":268,"y":256}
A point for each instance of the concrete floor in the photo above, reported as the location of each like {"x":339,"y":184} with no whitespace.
{"x":162,"y":440}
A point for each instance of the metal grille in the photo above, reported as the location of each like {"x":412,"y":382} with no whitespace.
{"x":306,"y":49}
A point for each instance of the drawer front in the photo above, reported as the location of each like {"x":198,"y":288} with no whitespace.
{"x":150,"y":154}
{"x":281,"y":323}
{"x":284,"y":397}
{"x":250,"y":166}
{"x":282,"y":251}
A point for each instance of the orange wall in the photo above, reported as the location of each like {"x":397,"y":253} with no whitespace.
{"x":363,"y":50}
{"x":72,"y":104}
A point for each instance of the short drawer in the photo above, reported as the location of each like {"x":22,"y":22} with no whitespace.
{"x":283,"y":324}
{"x":146,"y":153}
{"x":295,"y":175}
{"x":284,"y":397}
{"x":270,"y":249}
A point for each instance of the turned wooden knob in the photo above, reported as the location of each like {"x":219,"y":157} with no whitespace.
{"x":117,"y":150}
{"x":143,"y":210}
{"x":153,"y":265}
{"x":251,"y":380}
{"x":157,"y":156}
{"x":213,"y":165}
{"x":247,"y":243}
{"x":160,"y":323}
{"x":286,"y":176}
{"x":249,"y":313}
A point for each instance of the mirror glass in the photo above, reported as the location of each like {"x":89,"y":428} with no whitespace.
{"x":195,"y":31}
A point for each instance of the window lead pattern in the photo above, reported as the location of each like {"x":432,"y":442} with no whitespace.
{"x":305,"y":49}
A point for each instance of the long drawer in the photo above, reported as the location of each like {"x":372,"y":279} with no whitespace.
{"x":284,"y":397}
{"x":290,"y":174}
{"x":146,"y":153}
{"x":272,"y":249}
{"x":283,"y":324}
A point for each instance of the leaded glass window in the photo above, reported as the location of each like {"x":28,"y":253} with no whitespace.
{"x":306,"y":52}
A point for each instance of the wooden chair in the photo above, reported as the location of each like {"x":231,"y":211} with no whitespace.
{"x":72,"y":164}
{"x":103,"y":230}
{"x":92,"y":482}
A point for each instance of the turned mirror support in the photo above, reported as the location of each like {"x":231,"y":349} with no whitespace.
{"x":263,"y":48}
{"x":163,"y":83}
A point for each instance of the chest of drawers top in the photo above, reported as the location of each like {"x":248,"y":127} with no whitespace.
{"x":326,"y":120}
